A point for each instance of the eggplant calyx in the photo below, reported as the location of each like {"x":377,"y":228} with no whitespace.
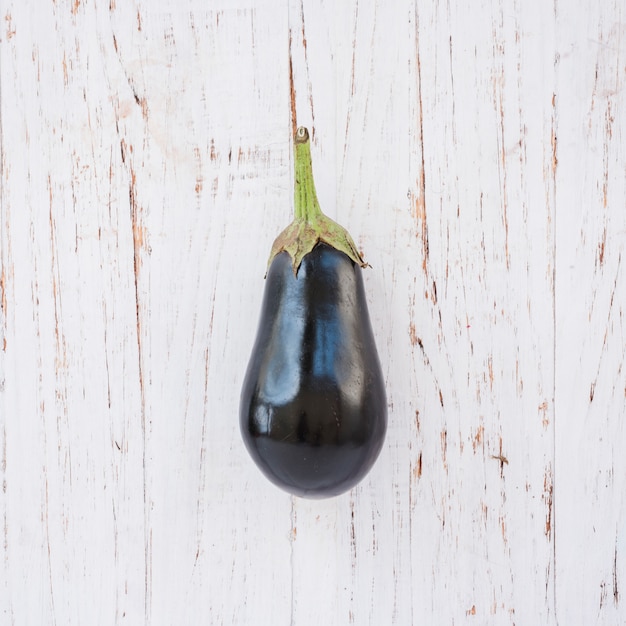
{"x":310,"y":226}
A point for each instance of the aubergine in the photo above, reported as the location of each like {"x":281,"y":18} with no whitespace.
{"x":313,"y":412}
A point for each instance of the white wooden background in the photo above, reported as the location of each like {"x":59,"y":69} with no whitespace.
{"x":476,"y":150}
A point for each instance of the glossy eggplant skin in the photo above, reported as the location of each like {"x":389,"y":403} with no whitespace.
{"x":313,"y":411}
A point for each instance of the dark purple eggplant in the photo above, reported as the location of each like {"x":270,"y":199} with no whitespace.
{"x":313,"y":411}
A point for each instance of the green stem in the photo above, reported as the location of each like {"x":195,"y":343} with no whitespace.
{"x":306,"y":205}
{"x":310,"y":226}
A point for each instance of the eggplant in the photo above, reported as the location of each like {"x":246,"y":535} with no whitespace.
{"x":313,"y":411}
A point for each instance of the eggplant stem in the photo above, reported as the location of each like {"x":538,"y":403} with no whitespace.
{"x":310,"y":225}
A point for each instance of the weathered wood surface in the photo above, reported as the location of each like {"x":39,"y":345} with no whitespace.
{"x":476,"y":151}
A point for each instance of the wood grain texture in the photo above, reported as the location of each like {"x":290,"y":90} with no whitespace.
{"x":591,"y":305}
{"x":475,"y":151}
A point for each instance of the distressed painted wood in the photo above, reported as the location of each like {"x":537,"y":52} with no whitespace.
{"x":590,"y":485}
{"x":476,"y":153}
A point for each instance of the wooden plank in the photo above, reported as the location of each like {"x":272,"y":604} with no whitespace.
{"x":351,"y":554}
{"x":222,"y":172}
{"x":72,"y":449}
{"x":591,"y":304}
{"x":481,"y":314}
